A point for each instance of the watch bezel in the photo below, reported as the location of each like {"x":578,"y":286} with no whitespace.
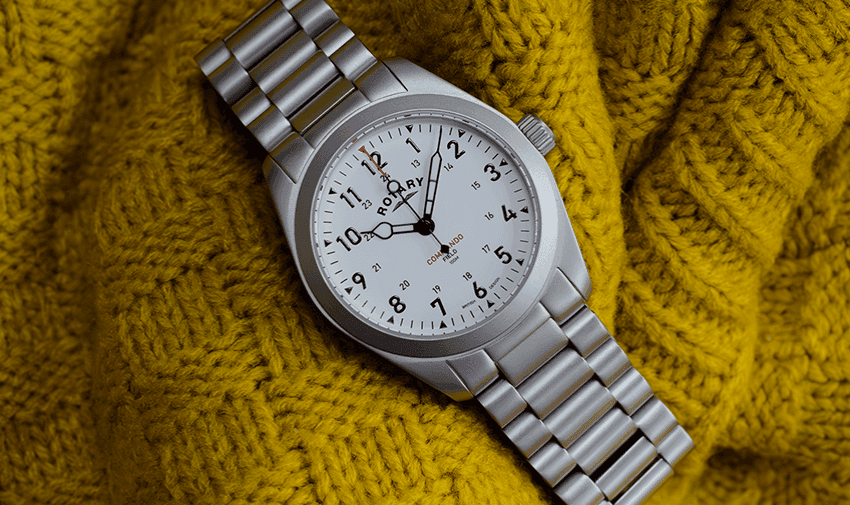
{"x":539,"y":177}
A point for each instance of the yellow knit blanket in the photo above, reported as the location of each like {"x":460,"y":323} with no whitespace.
{"x":156,"y":345}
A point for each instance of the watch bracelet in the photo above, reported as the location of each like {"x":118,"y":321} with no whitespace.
{"x":569,"y":399}
{"x":563,"y":392}
{"x":290,"y":73}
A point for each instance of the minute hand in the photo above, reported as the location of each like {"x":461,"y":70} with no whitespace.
{"x":433,"y":179}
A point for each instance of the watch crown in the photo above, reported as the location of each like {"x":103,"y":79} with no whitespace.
{"x":537,"y":132}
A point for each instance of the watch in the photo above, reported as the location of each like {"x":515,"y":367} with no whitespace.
{"x":428,"y":227}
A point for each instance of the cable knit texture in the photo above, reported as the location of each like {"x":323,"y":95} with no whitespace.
{"x":156,"y":345}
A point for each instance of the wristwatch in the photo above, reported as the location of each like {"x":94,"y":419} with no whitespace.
{"x":428,"y":227}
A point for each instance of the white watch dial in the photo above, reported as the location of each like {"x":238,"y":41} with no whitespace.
{"x":424,"y":225}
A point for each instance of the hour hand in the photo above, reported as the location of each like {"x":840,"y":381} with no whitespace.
{"x":385,"y":230}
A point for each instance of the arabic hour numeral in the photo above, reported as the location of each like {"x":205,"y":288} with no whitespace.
{"x":489,"y":216}
{"x":458,"y":152}
{"x":352,"y":235}
{"x":507,"y":213}
{"x":415,"y":163}
{"x":358,"y":278}
{"x":404,"y":284}
{"x":410,"y":142}
{"x":480,"y":291}
{"x":368,"y":163}
{"x":467,"y":276}
{"x":436,"y":288}
{"x":376,"y":267}
{"x":505,"y":256}
{"x":476,"y":185}
{"x":438,"y":303}
{"x":397,"y":305}
{"x":344,"y":196}
{"x":486,"y":248}
{"x":492,"y":170}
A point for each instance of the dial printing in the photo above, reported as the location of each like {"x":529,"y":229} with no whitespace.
{"x":424,"y":225}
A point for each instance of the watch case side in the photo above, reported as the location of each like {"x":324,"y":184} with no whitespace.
{"x":456,"y":368}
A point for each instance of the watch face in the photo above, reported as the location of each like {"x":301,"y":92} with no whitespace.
{"x":424,"y":225}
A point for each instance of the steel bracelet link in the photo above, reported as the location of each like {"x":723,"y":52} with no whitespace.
{"x":288,"y":67}
{"x":587,"y":421}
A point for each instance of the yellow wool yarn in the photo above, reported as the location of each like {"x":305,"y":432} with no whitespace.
{"x":156,"y":345}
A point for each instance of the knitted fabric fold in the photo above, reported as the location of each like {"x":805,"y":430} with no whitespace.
{"x":156,"y":343}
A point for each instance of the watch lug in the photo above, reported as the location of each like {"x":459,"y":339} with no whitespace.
{"x":378,"y":82}
{"x":572,"y":262}
{"x":434,"y":371}
{"x":284,"y":194}
{"x":417,"y":80}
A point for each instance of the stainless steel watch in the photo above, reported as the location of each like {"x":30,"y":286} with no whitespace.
{"x":428,"y":227}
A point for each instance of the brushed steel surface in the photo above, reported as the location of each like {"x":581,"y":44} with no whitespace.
{"x":311,"y":77}
{"x":675,"y":445}
{"x":270,"y":128}
{"x":646,"y":484}
{"x":251,"y":106}
{"x":608,"y":361}
{"x":283,"y":61}
{"x":654,"y":419}
{"x":552,"y":462}
{"x":231,"y":80}
{"x":532,"y":352}
{"x":585,"y":331}
{"x":561,"y":299}
{"x":639,"y":456}
{"x":631,"y":390}
{"x":331,"y":96}
{"x":267,"y":29}
{"x":502,"y":401}
{"x":353,"y":59}
{"x":592,"y":448}
{"x":332,"y":39}
{"x":476,"y":370}
{"x":578,"y":413}
{"x":314,"y":16}
{"x":579,"y":489}
{"x":528,"y":433}
{"x":546,"y":388}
